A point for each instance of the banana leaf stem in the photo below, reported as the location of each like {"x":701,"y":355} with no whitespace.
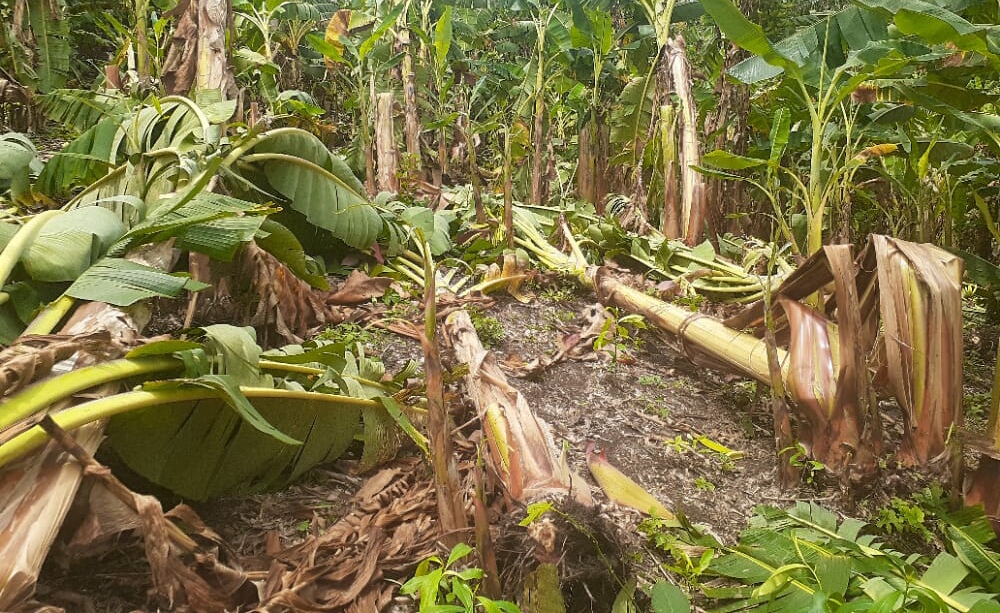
{"x":49,"y":317}
{"x":40,"y":396}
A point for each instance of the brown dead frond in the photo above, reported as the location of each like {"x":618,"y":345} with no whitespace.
{"x":31,"y":357}
{"x":351,"y":565}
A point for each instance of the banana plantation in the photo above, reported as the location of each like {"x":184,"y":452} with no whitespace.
{"x":540,"y":306}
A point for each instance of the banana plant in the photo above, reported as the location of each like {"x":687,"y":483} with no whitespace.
{"x":154,"y":166}
{"x":264,"y":28}
{"x":34,"y":40}
{"x":360,"y":55}
{"x":247,"y":420}
{"x":821,"y":87}
{"x":874,"y":42}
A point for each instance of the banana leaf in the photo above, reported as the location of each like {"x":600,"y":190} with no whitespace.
{"x":316,"y":183}
{"x":202,"y":449}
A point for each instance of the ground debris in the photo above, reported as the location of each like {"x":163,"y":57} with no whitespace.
{"x":350,"y":566}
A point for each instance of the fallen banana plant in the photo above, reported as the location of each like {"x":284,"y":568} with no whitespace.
{"x":246,"y":421}
{"x":699,"y":268}
{"x":827,"y":366}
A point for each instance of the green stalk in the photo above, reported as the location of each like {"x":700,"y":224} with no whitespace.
{"x":42,"y":395}
{"x":49,"y":317}
{"x":315,"y":372}
{"x":22,"y":242}
{"x":103,"y":408}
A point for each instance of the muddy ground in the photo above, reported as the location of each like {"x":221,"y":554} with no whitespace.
{"x":645,"y":405}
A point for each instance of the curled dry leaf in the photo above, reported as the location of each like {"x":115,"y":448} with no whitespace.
{"x":359,"y":288}
{"x":351,"y":566}
{"x":31,"y":357}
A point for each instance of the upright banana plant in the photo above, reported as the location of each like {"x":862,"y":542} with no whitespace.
{"x":870,"y":43}
{"x":593,"y":34}
{"x":36,"y":43}
{"x":675,"y":123}
{"x":542,"y":21}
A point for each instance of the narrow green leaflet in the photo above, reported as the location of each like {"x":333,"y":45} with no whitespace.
{"x":731,"y":161}
{"x":229,"y":390}
{"x":235,"y":353}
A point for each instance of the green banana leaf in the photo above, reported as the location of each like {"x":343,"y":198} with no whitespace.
{"x":67,"y":244}
{"x":123,"y":283}
{"x":50,"y":31}
{"x":203,"y":449}
{"x":282,"y":243}
{"x":318,"y":184}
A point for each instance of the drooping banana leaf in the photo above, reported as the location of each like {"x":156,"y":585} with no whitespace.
{"x":69,"y":243}
{"x":632,"y":116}
{"x":970,"y":539}
{"x":50,"y":32}
{"x":81,"y":109}
{"x":282,"y":243}
{"x":208,"y":223}
{"x":84,"y":160}
{"x":150,"y":152}
{"x":318,"y":184}
{"x":203,"y":449}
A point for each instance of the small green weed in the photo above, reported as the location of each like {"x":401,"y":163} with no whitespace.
{"x":692,"y":302}
{"x":350,"y":334}
{"x":653,"y":381}
{"x":559,"y":317}
{"x":821,"y":556}
{"x":902,"y":517}
{"x":619,"y":333}
{"x":653,"y":408}
{"x":444,"y":589}
{"x":704,"y":484}
{"x":689,"y":561}
{"x":800,"y":459}
{"x":686,"y":443}
{"x":557,"y":293}
{"x":491,"y":332}
{"x":977,"y":408}
{"x":740,"y":394}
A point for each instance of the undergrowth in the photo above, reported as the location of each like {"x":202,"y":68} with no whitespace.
{"x":808,"y":559}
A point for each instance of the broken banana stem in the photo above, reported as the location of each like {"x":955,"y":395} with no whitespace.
{"x":743,"y":352}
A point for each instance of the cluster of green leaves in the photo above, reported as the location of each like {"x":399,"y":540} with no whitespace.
{"x":443,"y":587}
{"x":805,"y":559}
{"x":489,"y":329}
{"x":918,"y":110}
